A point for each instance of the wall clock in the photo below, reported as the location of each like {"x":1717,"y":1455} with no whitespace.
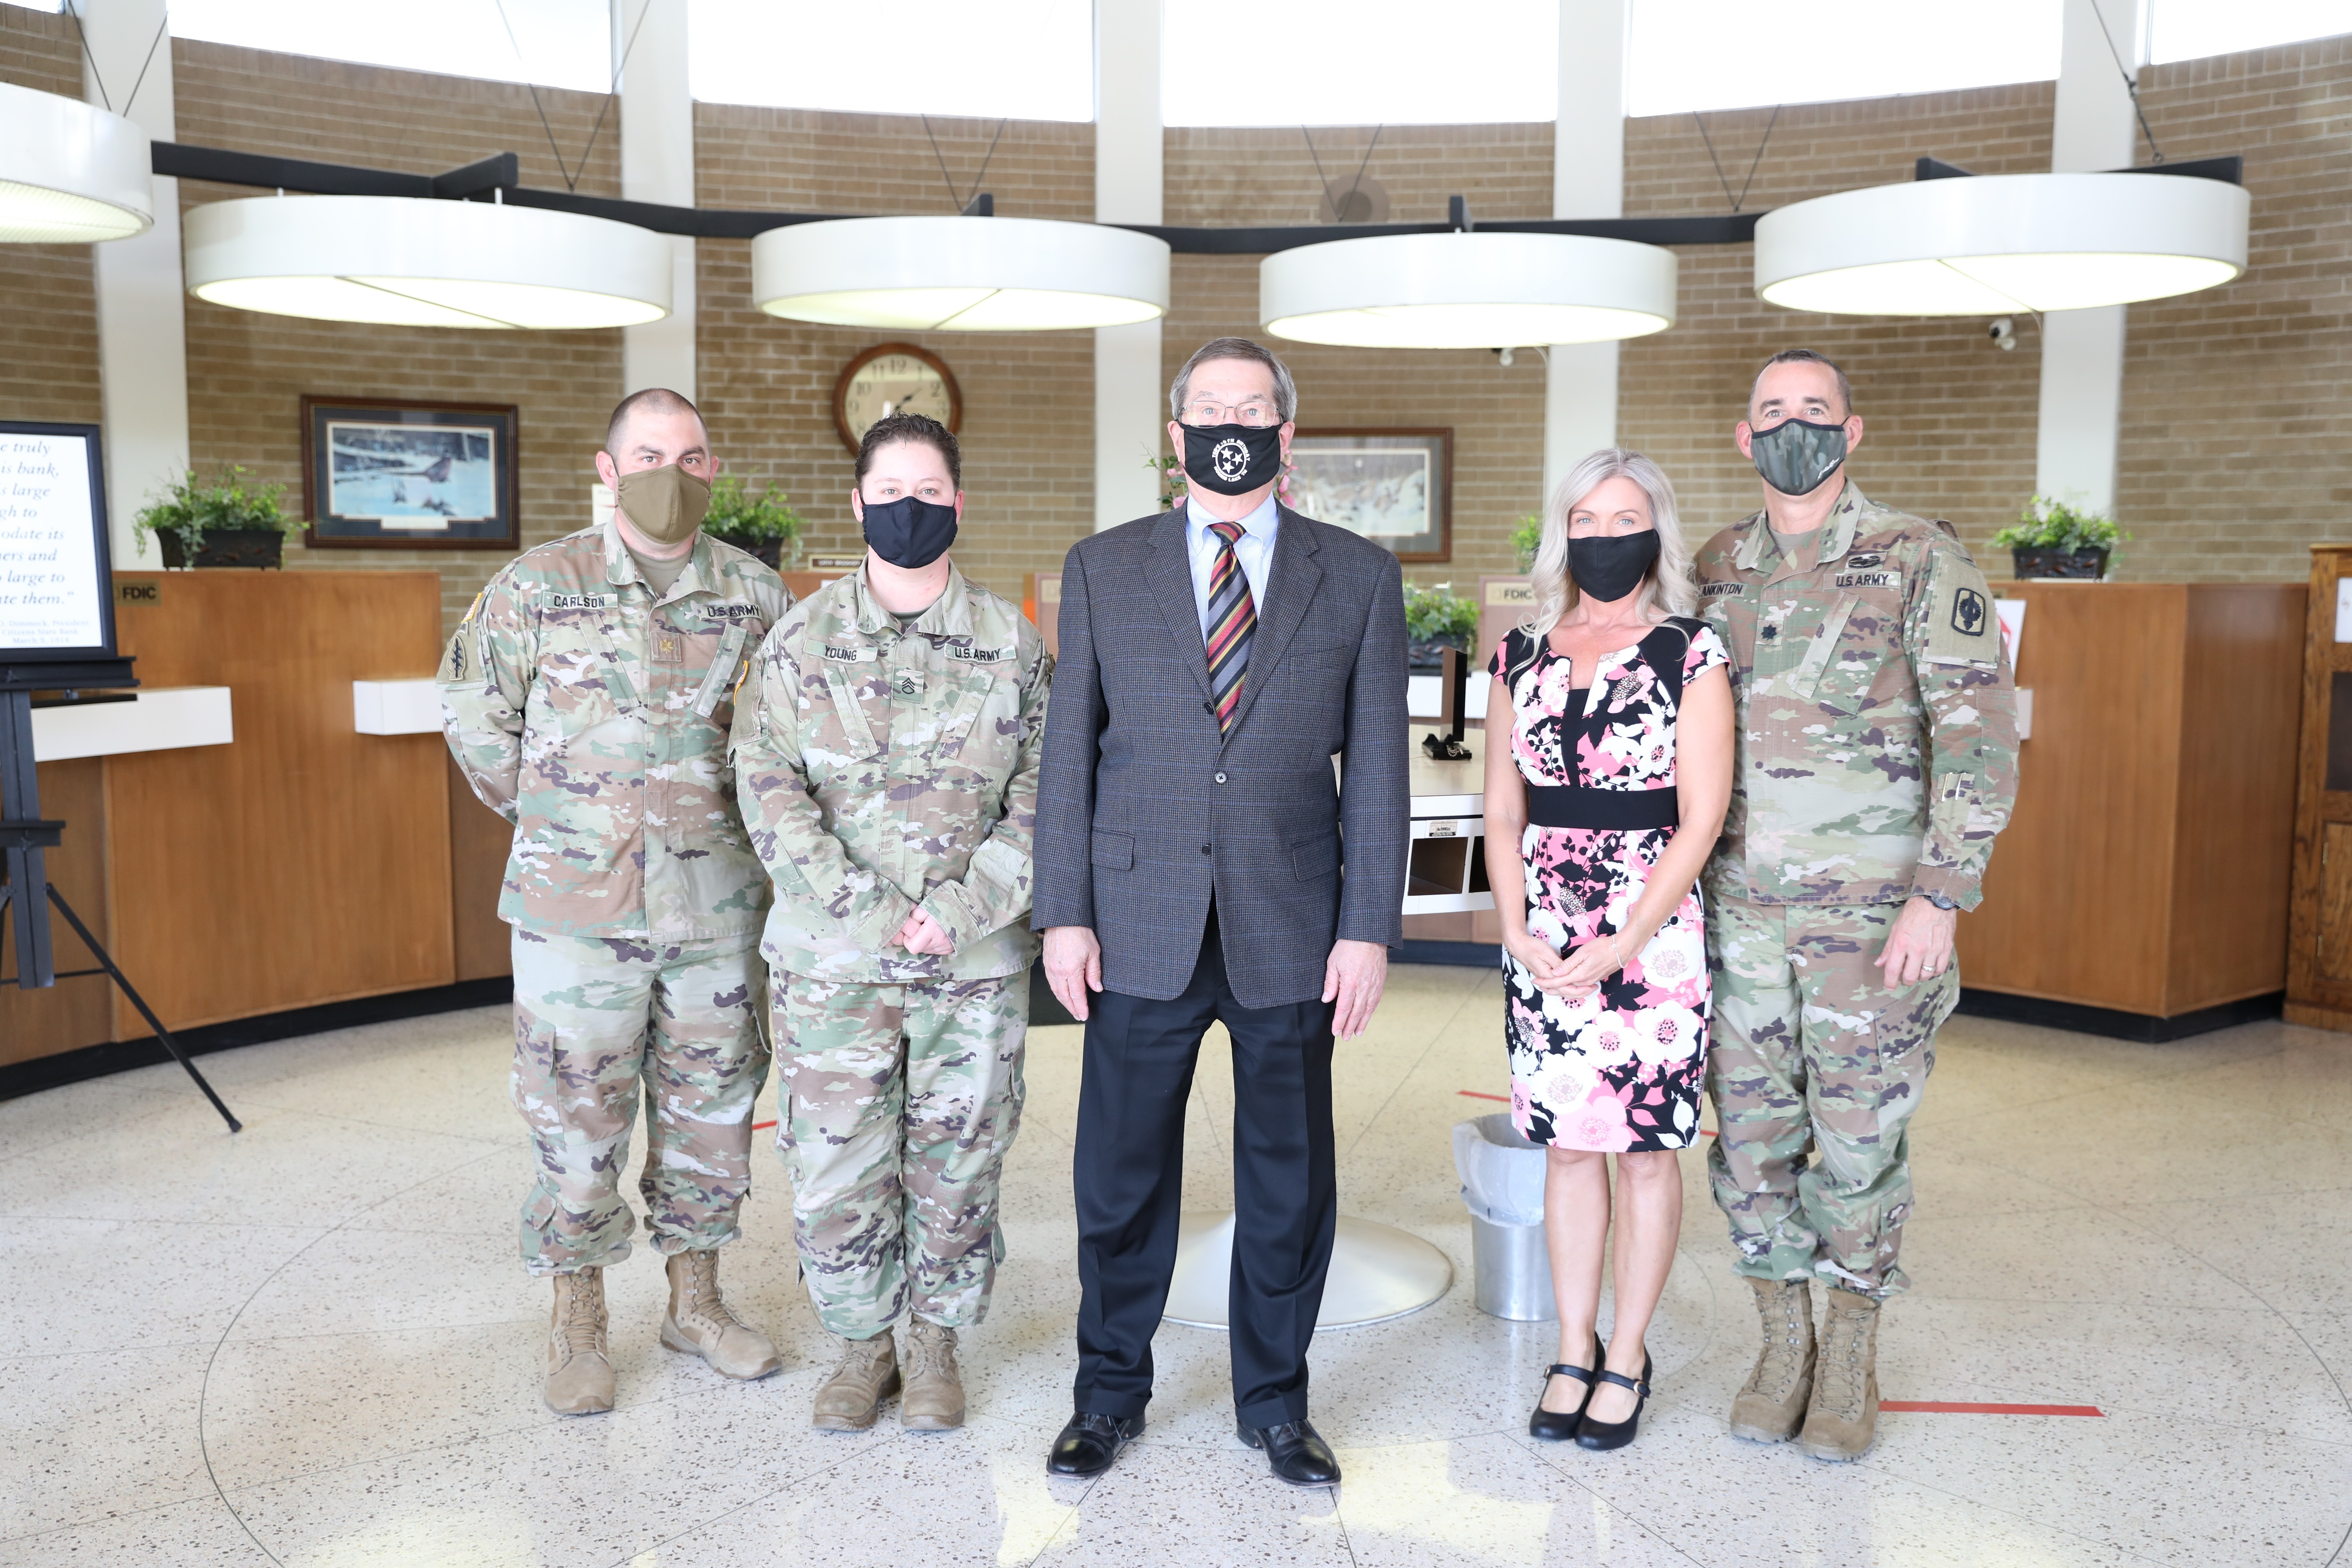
{"x":894,"y":378}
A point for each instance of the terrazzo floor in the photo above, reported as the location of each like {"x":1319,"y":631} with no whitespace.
{"x":310,"y":1343}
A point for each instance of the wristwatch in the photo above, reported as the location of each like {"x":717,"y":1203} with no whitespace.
{"x":1942,"y":900}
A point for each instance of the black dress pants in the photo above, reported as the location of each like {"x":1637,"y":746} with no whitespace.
{"x":1129,"y":1179}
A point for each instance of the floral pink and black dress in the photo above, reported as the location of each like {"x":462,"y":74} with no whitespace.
{"x":1620,"y":1071}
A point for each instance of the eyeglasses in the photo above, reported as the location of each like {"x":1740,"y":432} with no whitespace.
{"x":1255,"y":413}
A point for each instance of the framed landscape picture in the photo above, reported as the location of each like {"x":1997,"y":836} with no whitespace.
{"x":1393,"y":487}
{"x":388,"y":475}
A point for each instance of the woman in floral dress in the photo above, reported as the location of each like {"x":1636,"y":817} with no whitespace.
{"x":1603,"y":798}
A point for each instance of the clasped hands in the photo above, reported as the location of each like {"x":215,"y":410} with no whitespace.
{"x":1574,"y":974}
{"x":921,"y":934}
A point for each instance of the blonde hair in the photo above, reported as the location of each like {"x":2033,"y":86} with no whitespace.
{"x":1669,"y":584}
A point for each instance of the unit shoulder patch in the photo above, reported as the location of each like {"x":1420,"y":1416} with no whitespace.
{"x":1960,"y":626}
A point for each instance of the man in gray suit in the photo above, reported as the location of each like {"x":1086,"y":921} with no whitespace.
{"x":1197,"y":861}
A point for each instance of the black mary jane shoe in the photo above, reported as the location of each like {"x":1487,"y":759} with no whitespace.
{"x":1089,"y":1443}
{"x":1559,"y":1426}
{"x":1295,"y":1451}
{"x":1602,"y":1436}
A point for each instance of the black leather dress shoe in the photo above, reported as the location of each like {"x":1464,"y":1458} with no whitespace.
{"x":1090,"y":1442}
{"x":1297,"y":1452}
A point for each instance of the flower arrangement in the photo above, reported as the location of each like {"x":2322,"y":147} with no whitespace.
{"x":2051,"y":538}
{"x":737,"y":515}
{"x":1435,"y":615}
{"x":1169,"y":470}
{"x":189,"y":509}
{"x":1525,"y":539}
{"x":2050,"y":524}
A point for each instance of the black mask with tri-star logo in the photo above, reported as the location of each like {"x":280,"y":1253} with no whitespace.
{"x":1232,"y":459}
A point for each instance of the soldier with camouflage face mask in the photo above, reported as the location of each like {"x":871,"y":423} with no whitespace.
{"x":887,"y":748}
{"x":1876,"y":758}
{"x":587,"y":699}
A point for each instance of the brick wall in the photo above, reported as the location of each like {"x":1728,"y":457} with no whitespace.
{"x":2237,"y":417}
{"x":248,"y":372}
{"x":766,"y":384}
{"x":2233,"y":454}
{"x":1949,"y":418}
{"x":48,"y":327}
{"x":1228,"y":177}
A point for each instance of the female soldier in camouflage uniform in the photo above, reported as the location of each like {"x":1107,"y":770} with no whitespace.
{"x":887,"y":752}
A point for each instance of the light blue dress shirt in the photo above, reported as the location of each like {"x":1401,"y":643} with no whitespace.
{"x":1255,"y":550}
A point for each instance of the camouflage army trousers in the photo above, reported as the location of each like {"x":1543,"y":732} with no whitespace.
{"x":1816,"y":1070}
{"x":897,"y":1103}
{"x":598,"y":1022}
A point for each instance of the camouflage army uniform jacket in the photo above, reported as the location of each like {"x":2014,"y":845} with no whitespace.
{"x":882,"y":770}
{"x":594,"y":718}
{"x":1877,"y":719}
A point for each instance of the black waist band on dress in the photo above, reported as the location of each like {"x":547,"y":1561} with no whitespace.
{"x":1577,"y":805}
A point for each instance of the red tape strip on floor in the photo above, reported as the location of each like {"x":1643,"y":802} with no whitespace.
{"x":1964,"y":1407}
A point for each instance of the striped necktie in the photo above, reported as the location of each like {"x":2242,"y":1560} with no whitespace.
{"x":1232,"y":622}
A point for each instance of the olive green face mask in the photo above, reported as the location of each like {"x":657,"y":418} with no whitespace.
{"x":667,"y":505}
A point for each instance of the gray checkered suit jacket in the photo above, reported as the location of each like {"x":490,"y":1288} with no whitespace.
{"x":1135,"y":828}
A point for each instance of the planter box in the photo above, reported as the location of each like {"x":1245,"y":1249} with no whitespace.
{"x":2089,"y":565}
{"x":228,"y":547}
{"x":771,"y":551}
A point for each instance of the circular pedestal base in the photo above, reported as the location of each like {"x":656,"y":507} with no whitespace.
{"x":1378,"y":1272}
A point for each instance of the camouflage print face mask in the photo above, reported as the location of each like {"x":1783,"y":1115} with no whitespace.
{"x":1796,"y":454}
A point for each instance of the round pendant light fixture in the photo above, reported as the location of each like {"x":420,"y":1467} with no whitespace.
{"x":959,"y":274}
{"x":1987,"y":244}
{"x":1467,"y":291}
{"x":411,"y":262}
{"x":69,"y":173}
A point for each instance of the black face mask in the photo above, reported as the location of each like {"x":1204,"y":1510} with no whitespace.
{"x":1795,"y":456}
{"x":909,"y":531}
{"x":1232,"y":459}
{"x":1608,"y":567}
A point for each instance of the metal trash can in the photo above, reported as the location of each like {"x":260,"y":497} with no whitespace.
{"x":1501,"y":1185}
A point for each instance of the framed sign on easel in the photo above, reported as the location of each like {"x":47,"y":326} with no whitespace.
{"x":57,"y":634}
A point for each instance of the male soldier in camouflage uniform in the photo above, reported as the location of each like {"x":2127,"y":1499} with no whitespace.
{"x":587,"y":699}
{"x":887,"y":752}
{"x":1876,"y":760}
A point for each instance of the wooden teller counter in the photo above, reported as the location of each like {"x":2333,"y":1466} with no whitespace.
{"x":275,"y":826}
{"x":2141,"y":888}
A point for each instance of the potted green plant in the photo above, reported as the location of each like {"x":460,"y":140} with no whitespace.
{"x":761,"y":524}
{"x":227,"y":523}
{"x":1437,"y":619}
{"x":1527,"y":539}
{"x":2051,"y":539}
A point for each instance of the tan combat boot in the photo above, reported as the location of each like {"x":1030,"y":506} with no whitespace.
{"x":932,"y":1394}
{"x":1771,"y":1406}
{"x":699,"y":1323}
{"x":579,"y":1372}
{"x":866,"y":1374}
{"x":1843,"y":1420}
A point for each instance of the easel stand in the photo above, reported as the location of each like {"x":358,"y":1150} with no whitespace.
{"x":24,"y":836}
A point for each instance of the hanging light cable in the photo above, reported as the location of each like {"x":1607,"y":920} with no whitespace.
{"x":69,"y":172}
